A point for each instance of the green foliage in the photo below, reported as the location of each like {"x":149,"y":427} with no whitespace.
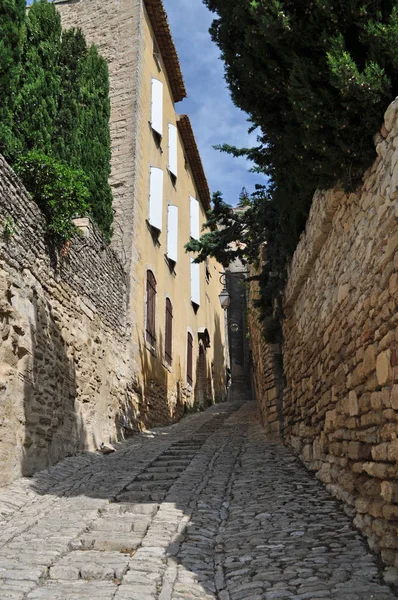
{"x":9,"y":228}
{"x":60,"y":192}
{"x":12,"y":19}
{"x":60,"y":99}
{"x":81,"y":133}
{"x":37,"y":100}
{"x":315,"y":77}
{"x":95,"y":139}
{"x":250,"y":233}
{"x":67,"y":139}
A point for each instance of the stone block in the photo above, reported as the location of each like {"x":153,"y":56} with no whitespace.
{"x":358,"y":451}
{"x":343,"y":292}
{"x":389,"y":491}
{"x":390,"y":116}
{"x":383,"y":367}
{"x":353,"y":408}
{"x":390,"y":512}
{"x":394,"y":397}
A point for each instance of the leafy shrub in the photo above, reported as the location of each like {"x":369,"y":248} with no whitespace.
{"x":60,"y":192}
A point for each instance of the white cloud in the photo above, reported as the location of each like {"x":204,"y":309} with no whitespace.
{"x":214,"y":117}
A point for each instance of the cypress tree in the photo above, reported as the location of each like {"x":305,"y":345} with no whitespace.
{"x":67,"y":139}
{"x":12,"y":19}
{"x":37,"y":101}
{"x":95,"y":138}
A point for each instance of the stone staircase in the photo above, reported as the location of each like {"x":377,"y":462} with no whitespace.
{"x":240,"y":391}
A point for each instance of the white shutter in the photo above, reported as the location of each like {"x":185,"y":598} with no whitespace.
{"x":195,"y":282}
{"x":173,"y":149}
{"x":157,"y":106}
{"x":172,"y":232}
{"x":156,"y":198}
{"x":195,"y":230}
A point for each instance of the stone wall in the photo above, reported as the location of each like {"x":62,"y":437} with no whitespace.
{"x":267,"y":377}
{"x":65,"y":380}
{"x":340,"y":404}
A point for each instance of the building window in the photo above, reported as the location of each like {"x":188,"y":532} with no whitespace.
{"x":168,"y":351}
{"x":190,"y":359}
{"x":150,"y":334}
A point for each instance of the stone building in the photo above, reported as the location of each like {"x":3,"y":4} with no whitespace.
{"x":160,"y":198}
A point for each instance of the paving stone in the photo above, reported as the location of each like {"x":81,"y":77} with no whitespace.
{"x":207,"y":509}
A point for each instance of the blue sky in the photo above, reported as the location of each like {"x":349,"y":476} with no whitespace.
{"x":214,"y":118}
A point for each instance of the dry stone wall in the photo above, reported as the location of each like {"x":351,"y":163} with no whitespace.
{"x":65,"y":378}
{"x":267,"y":369}
{"x":340,"y":404}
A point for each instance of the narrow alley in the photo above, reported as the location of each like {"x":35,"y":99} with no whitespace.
{"x":207,"y":508}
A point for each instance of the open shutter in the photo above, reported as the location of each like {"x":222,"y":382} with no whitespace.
{"x":195,"y":229}
{"x":169,"y":332}
{"x":172,"y":149}
{"x":156,"y":198}
{"x":172,"y":232}
{"x":195,"y":282}
{"x":190,"y":359}
{"x":157,"y":106}
{"x":150,"y":308}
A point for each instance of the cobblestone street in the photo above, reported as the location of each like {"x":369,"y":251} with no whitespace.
{"x":207,"y":508}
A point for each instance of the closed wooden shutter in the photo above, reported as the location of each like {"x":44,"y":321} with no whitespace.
{"x":190,"y":359}
{"x":195,"y":282}
{"x":157,"y":106}
{"x":156,"y":198}
{"x":172,"y":149}
{"x":195,"y":227}
{"x":172,"y":232}
{"x":169,"y":332}
{"x":150,"y":308}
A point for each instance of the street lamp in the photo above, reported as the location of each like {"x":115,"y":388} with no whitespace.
{"x":225,"y":298}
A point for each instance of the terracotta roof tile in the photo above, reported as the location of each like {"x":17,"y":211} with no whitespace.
{"x":164,"y":39}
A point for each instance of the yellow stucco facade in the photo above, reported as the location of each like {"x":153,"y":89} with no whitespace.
{"x":126,"y":34}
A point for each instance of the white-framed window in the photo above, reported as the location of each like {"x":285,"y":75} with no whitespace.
{"x":155,"y":216}
{"x":172,"y":143}
{"x":157,"y":106}
{"x":172,"y":232}
{"x":194,"y":218}
{"x":195,"y":282}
